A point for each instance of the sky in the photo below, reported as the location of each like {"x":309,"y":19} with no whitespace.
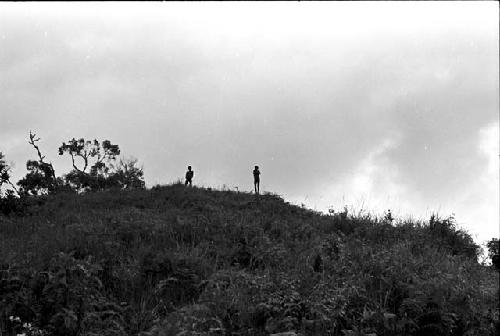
{"x":373,"y":105}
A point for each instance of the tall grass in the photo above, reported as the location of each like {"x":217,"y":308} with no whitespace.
{"x":195,"y":261}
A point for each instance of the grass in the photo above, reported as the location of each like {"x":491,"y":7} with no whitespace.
{"x":193,"y":261}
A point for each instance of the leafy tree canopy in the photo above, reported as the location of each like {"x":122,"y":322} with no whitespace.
{"x":95,"y":155}
{"x":98,"y":169}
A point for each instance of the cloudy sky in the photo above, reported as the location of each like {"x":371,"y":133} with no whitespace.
{"x":373,"y":105}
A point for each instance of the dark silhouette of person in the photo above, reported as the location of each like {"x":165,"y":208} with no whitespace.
{"x":256,"y":179}
{"x":189,"y":176}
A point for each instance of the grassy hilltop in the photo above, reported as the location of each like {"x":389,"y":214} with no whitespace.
{"x":192,"y":261}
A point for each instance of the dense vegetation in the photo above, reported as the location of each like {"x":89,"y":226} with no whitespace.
{"x":95,"y":168}
{"x":192,"y":261}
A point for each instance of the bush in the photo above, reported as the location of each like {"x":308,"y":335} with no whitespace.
{"x":63,"y":299}
{"x":494,"y":252}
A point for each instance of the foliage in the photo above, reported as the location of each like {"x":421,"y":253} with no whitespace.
{"x":102,"y":172}
{"x":41,"y":178}
{"x":457,"y":240}
{"x":95,"y":155}
{"x":65,"y":298}
{"x":191,"y":261}
{"x":9,"y":202}
{"x":494,"y":252}
{"x":127,"y":175}
{"x":4,"y":173}
{"x":4,"y":170}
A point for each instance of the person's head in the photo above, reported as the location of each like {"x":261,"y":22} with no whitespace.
{"x":189,"y":167}
{"x":256,"y":167}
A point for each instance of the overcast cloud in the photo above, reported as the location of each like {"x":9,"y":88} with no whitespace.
{"x":377,"y":105}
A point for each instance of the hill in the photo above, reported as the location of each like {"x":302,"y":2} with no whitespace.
{"x":192,"y":261}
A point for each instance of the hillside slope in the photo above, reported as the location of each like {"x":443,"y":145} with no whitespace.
{"x":192,"y":261}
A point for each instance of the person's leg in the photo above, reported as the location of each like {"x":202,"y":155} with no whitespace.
{"x":186,"y":183}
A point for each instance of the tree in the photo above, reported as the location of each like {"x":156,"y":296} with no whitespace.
{"x":96,"y":157}
{"x":94,"y":166}
{"x":41,"y":177}
{"x":88,"y":151}
{"x":128,"y":175}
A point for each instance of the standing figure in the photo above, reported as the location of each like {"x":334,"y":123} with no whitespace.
{"x":256,"y":179}
{"x":189,"y":176}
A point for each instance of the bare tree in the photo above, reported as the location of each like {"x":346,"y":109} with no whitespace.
{"x":41,"y":177}
{"x":33,"y":140}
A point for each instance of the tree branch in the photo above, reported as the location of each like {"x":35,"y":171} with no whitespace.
{"x":32,"y":142}
{"x":73,"y":161}
{"x":13,"y":187}
{"x":85,"y":160}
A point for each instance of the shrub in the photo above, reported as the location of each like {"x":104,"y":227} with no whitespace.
{"x":494,"y":252}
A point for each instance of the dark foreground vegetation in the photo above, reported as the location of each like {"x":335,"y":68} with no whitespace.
{"x":191,"y":261}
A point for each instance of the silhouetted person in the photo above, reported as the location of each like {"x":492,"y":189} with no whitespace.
{"x":189,"y":176}
{"x":256,"y":179}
